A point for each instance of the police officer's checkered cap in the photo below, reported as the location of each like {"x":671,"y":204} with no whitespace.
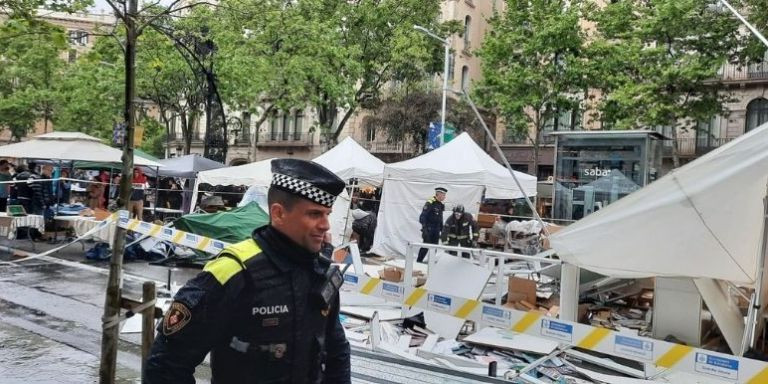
{"x":306,"y":179}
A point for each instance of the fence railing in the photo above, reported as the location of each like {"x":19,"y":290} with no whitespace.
{"x":695,"y":146}
{"x":285,"y":138}
{"x":758,"y":71}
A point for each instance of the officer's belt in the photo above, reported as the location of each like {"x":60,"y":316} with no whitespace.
{"x":459,"y":237}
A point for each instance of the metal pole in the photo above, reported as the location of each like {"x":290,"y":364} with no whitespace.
{"x":745,"y":22}
{"x":760,"y":290}
{"x":148,"y":323}
{"x":506,"y":163}
{"x":446,"y":43}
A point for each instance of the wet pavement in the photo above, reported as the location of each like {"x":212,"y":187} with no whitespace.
{"x":50,"y":324}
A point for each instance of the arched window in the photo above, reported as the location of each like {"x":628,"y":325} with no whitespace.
{"x":464,"y":77}
{"x":757,"y":113}
{"x":467,"y":25}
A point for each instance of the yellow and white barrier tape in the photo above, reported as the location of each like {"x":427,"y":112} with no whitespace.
{"x":642,"y":349}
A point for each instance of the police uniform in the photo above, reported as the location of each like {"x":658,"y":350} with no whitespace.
{"x":461,"y":231}
{"x":431,"y":220}
{"x":257,"y":307}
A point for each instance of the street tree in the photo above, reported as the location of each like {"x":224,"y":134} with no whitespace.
{"x":404,"y":117}
{"x":374,"y":45}
{"x":532,"y":66}
{"x":26,"y":9}
{"x":668,"y":53}
{"x":29,"y":52}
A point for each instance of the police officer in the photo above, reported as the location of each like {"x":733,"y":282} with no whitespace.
{"x":266,"y":308}
{"x":431,"y":220}
{"x":461,"y":229}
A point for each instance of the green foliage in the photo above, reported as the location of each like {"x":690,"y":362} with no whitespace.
{"x":154,"y":137}
{"x":29,"y":71}
{"x":657,"y":61}
{"x":26,"y":8}
{"x":91,"y":92}
{"x":532,"y":63}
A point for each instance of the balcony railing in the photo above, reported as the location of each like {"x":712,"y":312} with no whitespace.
{"x":731,"y":72}
{"x":285,"y":139}
{"x":692,"y":147}
{"x":524,"y":140}
{"x":384,"y":147}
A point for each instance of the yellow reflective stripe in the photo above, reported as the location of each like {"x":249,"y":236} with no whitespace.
{"x":466,"y":309}
{"x":370,"y":286}
{"x":415,"y":296}
{"x":222,"y":269}
{"x":133,"y":224}
{"x":760,"y":378}
{"x":526,"y":322}
{"x":155,"y":230}
{"x":204,"y":243}
{"x":594,"y":338}
{"x":673,"y":356}
{"x":178,"y":236}
{"x":243,"y":250}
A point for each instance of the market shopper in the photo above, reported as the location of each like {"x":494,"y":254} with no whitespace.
{"x":461,"y":229}
{"x":140,"y":184}
{"x":267,"y":308}
{"x":431,"y":220}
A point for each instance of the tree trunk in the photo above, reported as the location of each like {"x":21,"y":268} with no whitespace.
{"x":111,"y":336}
{"x":675,"y":149}
{"x":536,"y":144}
{"x":255,"y":141}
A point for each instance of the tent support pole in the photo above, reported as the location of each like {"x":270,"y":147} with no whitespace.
{"x":755,"y":317}
{"x":506,"y":163}
{"x":346,"y":221}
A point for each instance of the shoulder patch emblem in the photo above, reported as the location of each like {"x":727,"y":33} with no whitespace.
{"x":176,"y":318}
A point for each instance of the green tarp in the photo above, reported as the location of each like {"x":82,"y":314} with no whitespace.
{"x":230,"y":226}
{"x":96,"y":165}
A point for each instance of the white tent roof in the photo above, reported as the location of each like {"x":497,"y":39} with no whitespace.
{"x":258,"y":173}
{"x":462,"y":161}
{"x":69,"y":146}
{"x":703,"y":220}
{"x":349,"y":160}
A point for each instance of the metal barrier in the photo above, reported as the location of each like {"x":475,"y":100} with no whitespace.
{"x":662,"y":354}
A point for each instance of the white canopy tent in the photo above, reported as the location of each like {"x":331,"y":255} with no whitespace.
{"x":260,"y":173}
{"x":349,"y":160}
{"x":462,"y":167}
{"x":69,"y":146}
{"x":704,"y":220}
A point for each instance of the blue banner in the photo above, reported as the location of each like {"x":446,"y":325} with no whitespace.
{"x":433,"y":136}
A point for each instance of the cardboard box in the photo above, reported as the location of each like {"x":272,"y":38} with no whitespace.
{"x":391,"y":274}
{"x":485,"y":220}
{"x":552,"y":230}
{"x":521,"y":290}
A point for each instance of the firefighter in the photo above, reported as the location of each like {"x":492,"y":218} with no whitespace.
{"x":267,"y":308}
{"x":461,"y":229}
{"x":431,"y":220}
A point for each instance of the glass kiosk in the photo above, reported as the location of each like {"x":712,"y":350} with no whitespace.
{"x":596,"y":168}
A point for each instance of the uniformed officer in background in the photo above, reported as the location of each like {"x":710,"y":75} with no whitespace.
{"x":267,"y":308}
{"x":431,"y":220}
{"x":461,"y":229}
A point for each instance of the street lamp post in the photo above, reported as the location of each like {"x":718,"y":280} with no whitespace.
{"x":447,"y":45}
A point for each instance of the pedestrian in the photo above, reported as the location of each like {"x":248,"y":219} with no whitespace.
{"x":461,"y":230}
{"x":137,"y":194}
{"x":364,"y":227}
{"x":267,"y":308}
{"x":431,"y":220}
{"x":64,"y":190}
{"x":5,"y":186}
{"x":22,"y":192}
{"x":95,"y":193}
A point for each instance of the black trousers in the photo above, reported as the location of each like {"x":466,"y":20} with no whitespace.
{"x":430,"y":237}
{"x":460,"y":243}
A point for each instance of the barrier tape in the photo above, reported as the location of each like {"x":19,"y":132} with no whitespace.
{"x":641,"y":349}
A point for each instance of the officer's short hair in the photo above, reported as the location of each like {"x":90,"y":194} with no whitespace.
{"x":284,"y":198}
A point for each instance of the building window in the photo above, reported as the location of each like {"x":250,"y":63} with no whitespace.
{"x":78,"y":38}
{"x":273,"y":125}
{"x":464,"y":77}
{"x":757,"y":113}
{"x":72,"y":56}
{"x":287,"y":126}
{"x":245,"y":130}
{"x":451,"y":64}
{"x":298,"y":120}
{"x":467,"y":26}
{"x":370,"y":133}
